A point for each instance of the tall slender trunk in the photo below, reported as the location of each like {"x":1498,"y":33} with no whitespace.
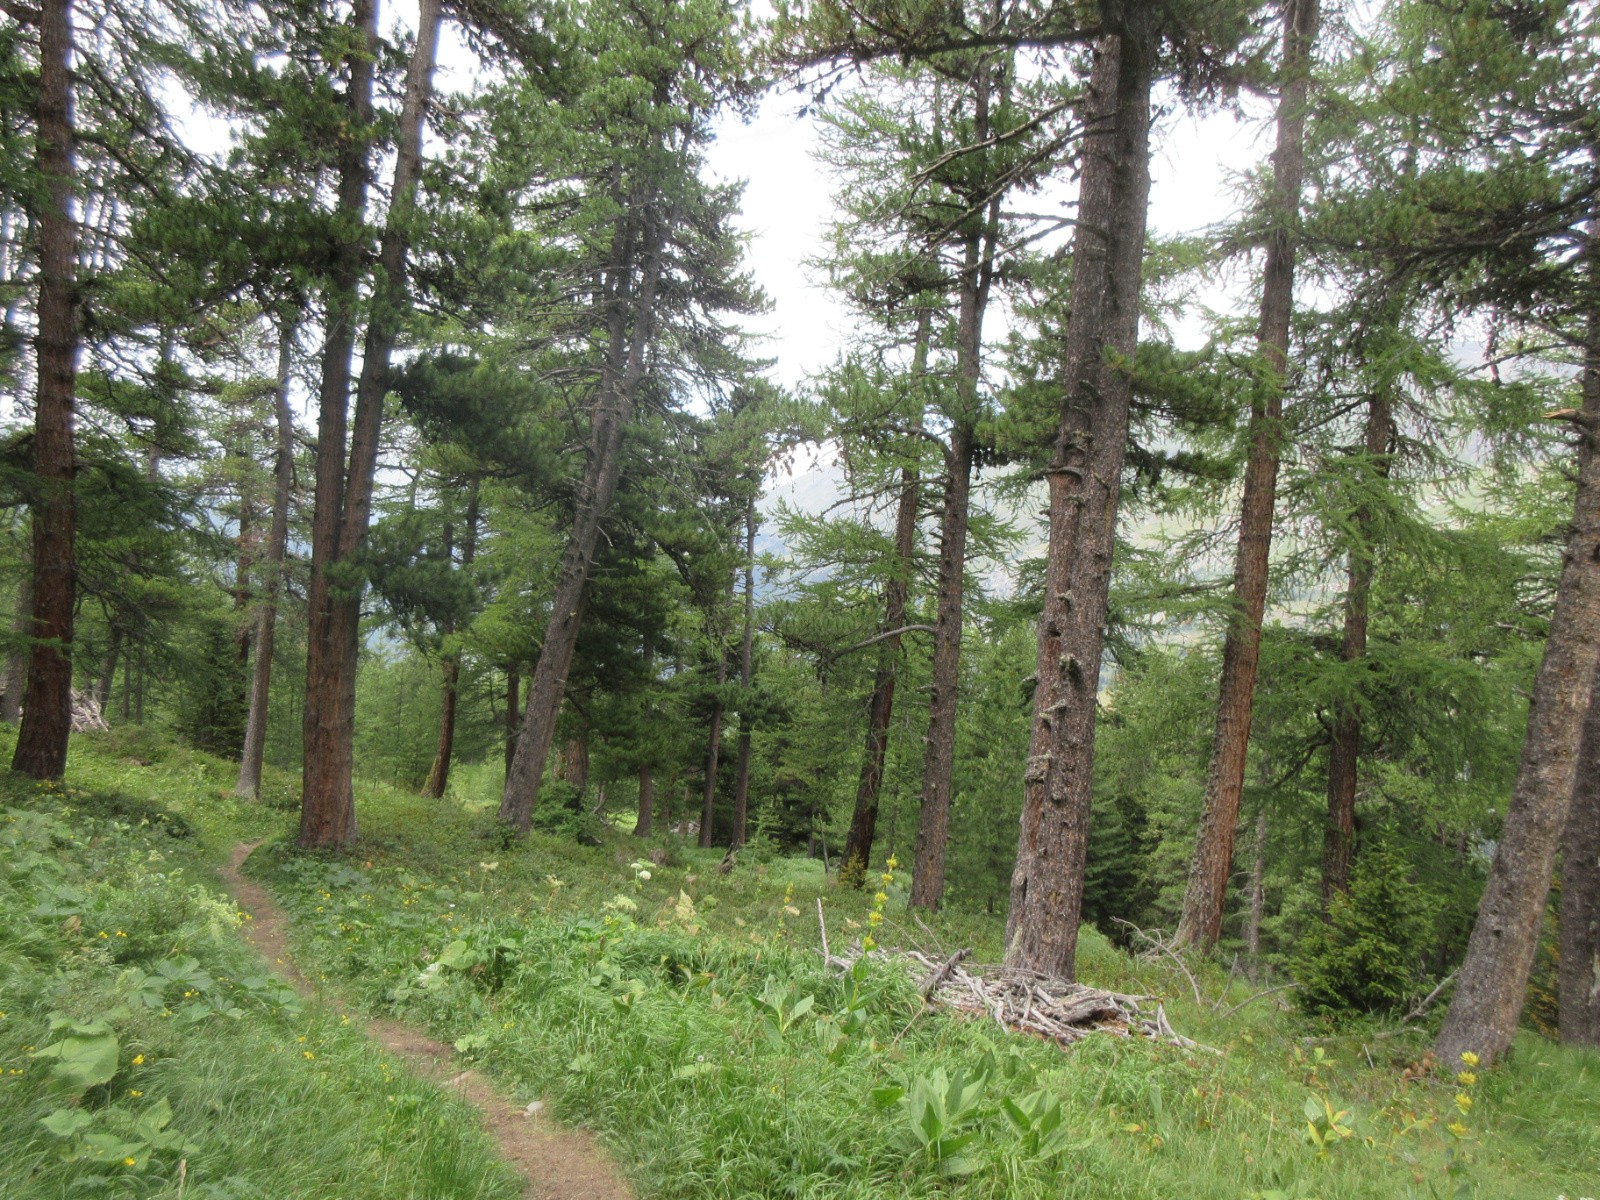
{"x":1579,"y":986}
{"x":708,"y":804}
{"x":450,"y":670}
{"x":573,"y":766}
{"x":933,"y":817}
{"x":327,"y":814}
{"x":1258,"y":894}
{"x":857,"y":852}
{"x":1493,"y":980}
{"x":741,"y":778}
{"x":21,"y":626}
{"x":1085,"y":479}
{"x":629,"y":324}
{"x":647,"y":783}
{"x":1201,"y":923}
{"x":47,"y":712}
{"x":513,"y":712}
{"x":1344,"y":752}
{"x":108,"y":668}
{"x":255,"y":729}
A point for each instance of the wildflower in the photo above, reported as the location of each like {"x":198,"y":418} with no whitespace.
{"x":1470,"y":1058}
{"x":1457,"y":1129}
{"x":129,"y":1162}
{"x":1463,"y":1101}
{"x":644,"y":876}
{"x":135,"y":1092}
{"x":308,"y":1055}
{"x":1466,"y":1078}
{"x":138,"y":1060}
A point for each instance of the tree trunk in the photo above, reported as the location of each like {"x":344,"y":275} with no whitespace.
{"x":1344,"y":752}
{"x":327,"y":806}
{"x":1258,"y":894}
{"x":709,"y":799}
{"x":513,"y":712}
{"x":108,"y":668}
{"x":255,"y":730}
{"x":21,"y":626}
{"x":613,"y":410}
{"x":574,"y":764}
{"x":1201,"y":923}
{"x":327,"y":815}
{"x":741,"y":779}
{"x":1493,"y":980}
{"x":1084,"y":479}
{"x":1579,"y":988}
{"x":933,"y":817}
{"x":439,"y":774}
{"x":857,"y":853}
{"x":647,"y":783}
{"x":47,"y":711}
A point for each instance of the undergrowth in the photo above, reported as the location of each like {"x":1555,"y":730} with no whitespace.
{"x":686,"y":1017}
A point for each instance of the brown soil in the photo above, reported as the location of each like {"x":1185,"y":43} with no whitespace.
{"x":555,"y":1163}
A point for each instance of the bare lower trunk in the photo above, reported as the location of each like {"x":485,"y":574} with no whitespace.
{"x":857,"y":852}
{"x":573,"y":766}
{"x":933,"y":822}
{"x":628,"y":334}
{"x":1085,"y":477}
{"x":741,"y":777}
{"x":708,"y":804}
{"x":1493,"y":980}
{"x":255,"y":730}
{"x":1201,"y":923}
{"x":647,"y":783}
{"x":1579,"y":987}
{"x":108,"y":668}
{"x":1344,"y":751}
{"x":327,"y":805}
{"x":933,"y":817}
{"x":450,"y":671}
{"x":47,"y":711}
{"x":327,"y":801}
{"x":1258,"y":894}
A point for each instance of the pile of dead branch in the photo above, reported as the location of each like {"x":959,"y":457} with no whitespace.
{"x":1028,"y":1002}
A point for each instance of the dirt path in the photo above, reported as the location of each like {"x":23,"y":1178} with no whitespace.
{"x":556,"y":1163}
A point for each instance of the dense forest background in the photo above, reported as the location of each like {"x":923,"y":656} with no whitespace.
{"x":371,"y":429}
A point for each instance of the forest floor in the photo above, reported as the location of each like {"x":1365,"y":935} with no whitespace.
{"x":555,"y":1163}
{"x":682,"y":1018}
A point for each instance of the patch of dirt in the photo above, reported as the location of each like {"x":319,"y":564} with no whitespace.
{"x":555,"y":1163}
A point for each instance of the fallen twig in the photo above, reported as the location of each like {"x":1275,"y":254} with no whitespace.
{"x":1282,"y":987}
{"x":1169,"y":952}
{"x":1427,"y":1001}
{"x":941,"y":974}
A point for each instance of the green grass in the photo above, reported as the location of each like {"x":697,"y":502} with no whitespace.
{"x":641,"y":1020}
{"x":263,"y":1097}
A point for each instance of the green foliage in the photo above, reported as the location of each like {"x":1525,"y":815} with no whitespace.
{"x":1367,"y":956}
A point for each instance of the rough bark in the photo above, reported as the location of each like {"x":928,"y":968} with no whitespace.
{"x":47,"y":710}
{"x":1344,"y":748}
{"x":255,"y":730}
{"x":327,"y":815}
{"x":1201,"y":923}
{"x":1493,"y":980}
{"x":573,"y":766}
{"x":1084,"y":480}
{"x":1579,"y":981}
{"x":450,"y":669}
{"x":327,"y":807}
{"x":857,"y":852}
{"x":629,"y":320}
{"x":741,"y":777}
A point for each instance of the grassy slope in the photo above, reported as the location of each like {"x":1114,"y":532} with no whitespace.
{"x":277,"y":1100}
{"x":641,"y":1024}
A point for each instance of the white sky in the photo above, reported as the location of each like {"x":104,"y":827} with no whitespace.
{"x":787,"y":206}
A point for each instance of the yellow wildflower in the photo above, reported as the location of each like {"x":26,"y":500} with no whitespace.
{"x":1470,"y":1058}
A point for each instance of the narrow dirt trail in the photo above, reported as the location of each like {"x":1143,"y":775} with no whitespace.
{"x":555,"y":1163}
